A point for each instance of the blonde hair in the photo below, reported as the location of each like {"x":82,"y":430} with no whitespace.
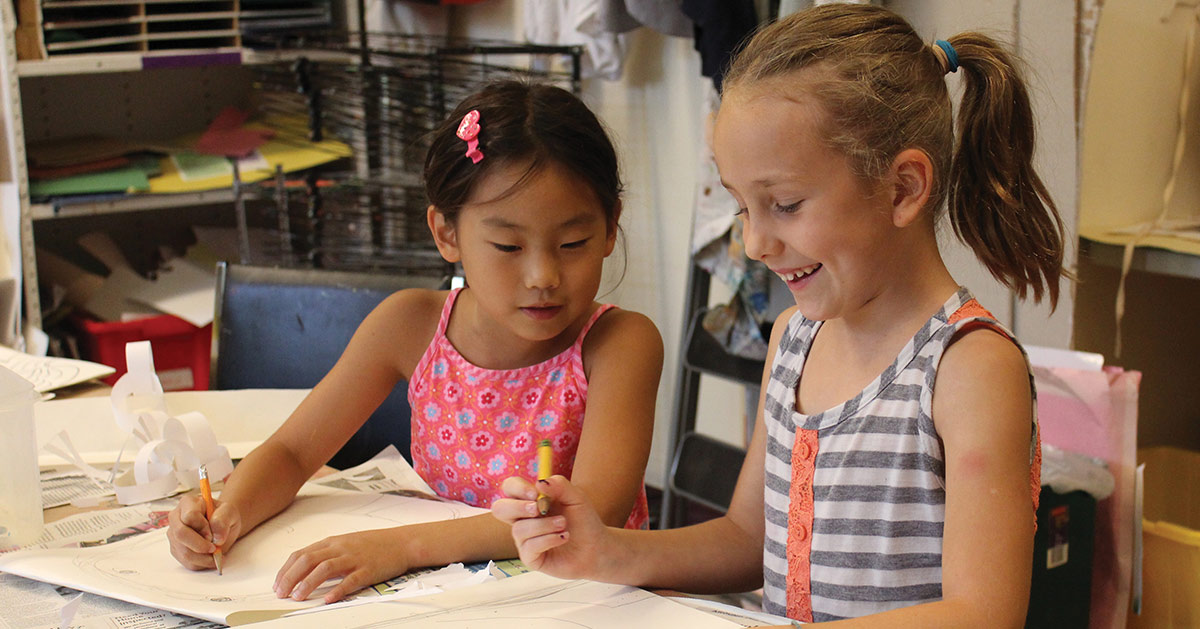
{"x":882,"y":91}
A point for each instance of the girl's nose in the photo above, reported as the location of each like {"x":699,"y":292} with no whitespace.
{"x":757,"y":239}
{"x":542,"y":272}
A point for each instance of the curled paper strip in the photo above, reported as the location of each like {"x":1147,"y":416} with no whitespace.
{"x":170,"y":448}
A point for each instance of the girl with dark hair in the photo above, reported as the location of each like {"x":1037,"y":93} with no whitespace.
{"x":524,"y":192}
{"x":893,"y":476}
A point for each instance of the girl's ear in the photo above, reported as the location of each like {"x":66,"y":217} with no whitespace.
{"x":445,"y":236}
{"x":912,"y":183}
{"x":610,"y":241}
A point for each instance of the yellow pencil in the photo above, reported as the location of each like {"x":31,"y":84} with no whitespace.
{"x":206,"y":491}
{"x":545,"y":466}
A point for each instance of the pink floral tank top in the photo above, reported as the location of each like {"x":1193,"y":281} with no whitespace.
{"x":473,"y":427}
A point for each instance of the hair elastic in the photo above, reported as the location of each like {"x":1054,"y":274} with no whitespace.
{"x":468,"y":130}
{"x":946,"y":55}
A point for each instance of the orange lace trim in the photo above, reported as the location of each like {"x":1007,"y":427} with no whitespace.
{"x":799,"y":530}
{"x":970,"y":308}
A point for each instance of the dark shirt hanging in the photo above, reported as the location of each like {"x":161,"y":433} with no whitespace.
{"x":721,"y":27}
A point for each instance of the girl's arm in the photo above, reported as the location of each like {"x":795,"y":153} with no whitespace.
{"x":623,"y":360}
{"x":721,"y":555}
{"x":381,"y":352}
{"x":982,"y":407}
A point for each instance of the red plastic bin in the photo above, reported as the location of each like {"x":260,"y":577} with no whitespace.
{"x":181,"y":350}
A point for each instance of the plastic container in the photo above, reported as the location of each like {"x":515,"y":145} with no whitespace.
{"x":1171,"y":539}
{"x":182,"y":351}
{"x":20,"y":489}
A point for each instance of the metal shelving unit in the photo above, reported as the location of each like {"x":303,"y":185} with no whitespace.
{"x":156,"y":94}
{"x":125,"y":91}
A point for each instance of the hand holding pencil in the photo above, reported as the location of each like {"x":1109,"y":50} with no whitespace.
{"x":206,"y":492}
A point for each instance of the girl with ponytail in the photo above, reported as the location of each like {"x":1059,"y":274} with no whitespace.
{"x":893,"y":475}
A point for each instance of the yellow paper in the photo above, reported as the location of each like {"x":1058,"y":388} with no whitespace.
{"x":289,"y":148}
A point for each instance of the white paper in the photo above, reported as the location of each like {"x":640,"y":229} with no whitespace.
{"x":10,"y":256}
{"x":111,"y":301}
{"x":532,"y":600}
{"x":139,"y":569}
{"x":48,"y":373}
{"x":29,"y":604}
{"x":182,"y":289}
{"x":1053,"y":357}
{"x":742,"y":617}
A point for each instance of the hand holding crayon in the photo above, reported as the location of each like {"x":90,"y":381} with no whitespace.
{"x":545,"y":467}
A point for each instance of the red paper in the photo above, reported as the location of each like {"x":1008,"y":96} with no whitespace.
{"x":227,"y":136}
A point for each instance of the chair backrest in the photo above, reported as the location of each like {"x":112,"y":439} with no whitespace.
{"x":285,"y":328}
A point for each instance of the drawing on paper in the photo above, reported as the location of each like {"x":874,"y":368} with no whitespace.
{"x":140,"y":568}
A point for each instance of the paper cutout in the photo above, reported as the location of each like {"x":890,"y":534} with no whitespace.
{"x":241,"y":420}
{"x":171,"y":448}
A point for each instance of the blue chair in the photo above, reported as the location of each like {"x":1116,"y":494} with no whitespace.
{"x":285,"y":328}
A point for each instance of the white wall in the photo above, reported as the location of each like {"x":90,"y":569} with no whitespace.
{"x":653,"y":114}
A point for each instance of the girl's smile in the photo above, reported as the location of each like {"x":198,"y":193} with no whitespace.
{"x":797,"y":278}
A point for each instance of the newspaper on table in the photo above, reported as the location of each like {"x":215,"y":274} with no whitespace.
{"x":123,"y":552}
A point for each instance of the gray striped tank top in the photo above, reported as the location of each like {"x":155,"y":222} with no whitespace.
{"x":855,"y":495}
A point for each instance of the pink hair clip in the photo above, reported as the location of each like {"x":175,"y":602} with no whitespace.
{"x":468,"y":130}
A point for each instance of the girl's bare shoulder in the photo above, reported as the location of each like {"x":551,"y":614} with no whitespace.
{"x":406,"y":321}
{"x":417,"y":304}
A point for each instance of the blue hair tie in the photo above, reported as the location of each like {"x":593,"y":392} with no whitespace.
{"x":951,"y":55}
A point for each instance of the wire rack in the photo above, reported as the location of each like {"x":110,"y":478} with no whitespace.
{"x":382,"y":95}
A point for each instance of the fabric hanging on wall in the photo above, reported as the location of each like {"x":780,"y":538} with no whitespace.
{"x":664,"y":16}
{"x":577,"y":23}
{"x":720,"y":26}
{"x":444,"y":1}
{"x":406,"y":18}
{"x":718,"y":249}
{"x":788,"y":7}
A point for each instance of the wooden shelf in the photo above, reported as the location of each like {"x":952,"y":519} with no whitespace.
{"x":120,"y":35}
{"x":94,"y":63}
{"x":1148,"y":259}
{"x":132,"y":203}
